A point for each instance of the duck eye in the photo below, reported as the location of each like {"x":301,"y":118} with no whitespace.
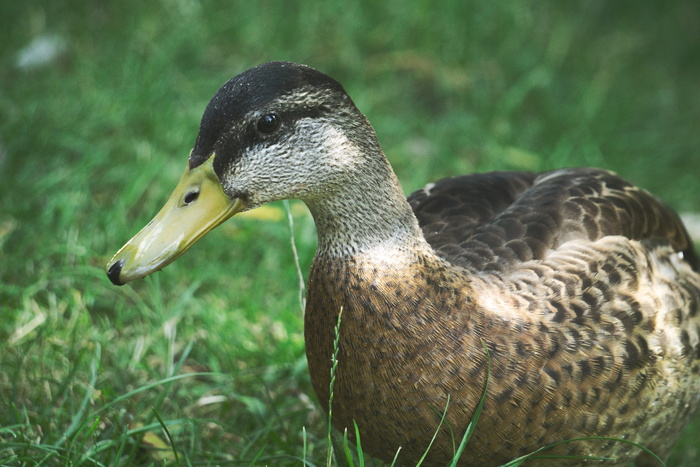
{"x":268,"y":123}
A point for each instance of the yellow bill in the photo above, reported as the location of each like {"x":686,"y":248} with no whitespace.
{"x":197,"y":205}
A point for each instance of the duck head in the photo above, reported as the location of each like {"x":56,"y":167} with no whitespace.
{"x":277,"y":131}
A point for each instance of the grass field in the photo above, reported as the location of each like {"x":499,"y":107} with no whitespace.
{"x":95,"y":133}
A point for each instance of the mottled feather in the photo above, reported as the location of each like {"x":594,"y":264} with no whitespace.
{"x":582,"y":287}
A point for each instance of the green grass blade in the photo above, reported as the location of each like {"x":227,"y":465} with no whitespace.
{"x":346,"y":449}
{"x":396,"y":456}
{"x":533,"y":455}
{"x":334,"y":367}
{"x":149,"y":386}
{"x":167,"y":433}
{"x":295,"y":255}
{"x":358,"y":445}
{"x":437,"y":430}
{"x":477,"y":413}
{"x":78,"y":417}
{"x":303,"y":447}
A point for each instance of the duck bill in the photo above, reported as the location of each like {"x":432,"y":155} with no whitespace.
{"x":197,"y":206}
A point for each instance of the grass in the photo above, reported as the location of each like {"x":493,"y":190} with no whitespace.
{"x":93,"y":140}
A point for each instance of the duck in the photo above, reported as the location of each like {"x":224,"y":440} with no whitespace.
{"x":568,"y":300}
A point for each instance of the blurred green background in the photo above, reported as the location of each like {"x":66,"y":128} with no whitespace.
{"x":100,"y":104}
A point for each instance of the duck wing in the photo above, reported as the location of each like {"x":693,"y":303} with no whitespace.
{"x":494,"y":221}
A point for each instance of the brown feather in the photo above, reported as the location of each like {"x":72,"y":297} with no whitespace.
{"x":572,"y":279}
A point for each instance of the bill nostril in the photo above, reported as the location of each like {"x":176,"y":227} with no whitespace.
{"x":114,"y":271}
{"x":191,"y":197}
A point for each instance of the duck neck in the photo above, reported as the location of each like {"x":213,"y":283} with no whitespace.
{"x":367,"y":215}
